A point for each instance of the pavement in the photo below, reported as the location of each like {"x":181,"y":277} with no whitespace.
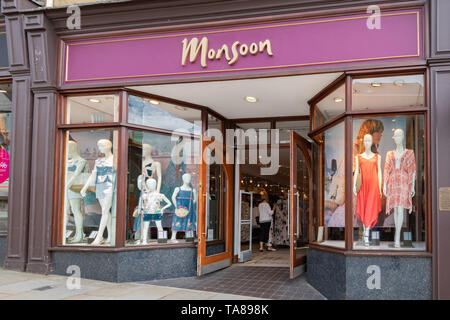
{"x":28,"y":286}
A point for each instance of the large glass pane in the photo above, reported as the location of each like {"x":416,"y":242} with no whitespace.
{"x":162,"y":115}
{"x":5,"y":138}
{"x":389,"y":183}
{"x":215,"y":208}
{"x":285,"y":127}
{"x":162,"y":188}
{"x":302,"y":202}
{"x":330,"y":107}
{"x":90,"y":187}
{"x":334,"y":187}
{"x":388,"y":92}
{"x":92,"y":109}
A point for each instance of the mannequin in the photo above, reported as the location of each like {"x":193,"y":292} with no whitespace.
{"x":75,"y":166}
{"x":149,"y":167}
{"x":104,"y":188}
{"x":184,"y":196}
{"x":369,"y":196}
{"x":399,"y":182}
{"x":151,"y":199}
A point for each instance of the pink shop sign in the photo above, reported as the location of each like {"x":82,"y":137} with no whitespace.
{"x":283,"y":45}
{"x":4,"y":165}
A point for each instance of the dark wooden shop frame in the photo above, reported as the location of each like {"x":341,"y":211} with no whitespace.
{"x":347,"y":118}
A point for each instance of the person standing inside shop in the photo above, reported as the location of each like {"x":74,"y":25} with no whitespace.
{"x":265,"y":220}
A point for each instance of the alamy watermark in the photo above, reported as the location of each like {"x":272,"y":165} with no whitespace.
{"x":73,"y":22}
{"x":262,"y":147}
{"x":74,"y":280}
{"x":374,"y":280}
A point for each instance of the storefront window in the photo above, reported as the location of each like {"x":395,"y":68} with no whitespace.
{"x":5,"y":138}
{"x":330,"y":107}
{"x":158,"y":114}
{"x":389,"y":183}
{"x":92,"y":109}
{"x":90,"y":187}
{"x":163,"y":175}
{"x":388,"y":93}
{"x":285,"y":127}
{"x":334,"y":186}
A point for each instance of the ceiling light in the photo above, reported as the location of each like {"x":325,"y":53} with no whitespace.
{"x":95,"y":100}
{"x":3,"y":91}
{"x":399,"y":83}
{"x":375,"y":84}
{"x":338,"y":100}
{"x":251,"y":99}
{"x":155,"y":102}
{"x":180,"y":108}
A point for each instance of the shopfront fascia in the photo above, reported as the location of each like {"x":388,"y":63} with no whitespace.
{"x":88,"y":67}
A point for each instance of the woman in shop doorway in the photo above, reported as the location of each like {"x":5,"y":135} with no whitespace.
{"x":265,"y":220}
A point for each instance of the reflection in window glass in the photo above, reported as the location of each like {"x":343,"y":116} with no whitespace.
{"x":162,"y":188}
{"x":5,"y":138}
{"x":397,"y":220}
{"x":90,"y":187}
{"x":330,"y":107}
{"x":158,"y":114}
{"x":334,"y":184}
{"x":92,"y":109}
{"x":388,"y":92}
{"x":285,"y":127}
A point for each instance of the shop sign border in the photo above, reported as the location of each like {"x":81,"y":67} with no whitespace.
{"x":68,"y":45}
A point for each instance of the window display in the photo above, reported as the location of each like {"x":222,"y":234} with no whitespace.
{"x":162,"y":188}
{"x":334,"y":186}
{"x":388,"y":169}
{"x":5,"y":138}
{"x":90,"y":187}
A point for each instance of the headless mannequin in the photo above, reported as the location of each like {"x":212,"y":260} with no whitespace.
{"x":105,"y":147}
{"x":151,"y":189}
{"x":75,"y":203}
{"x":150,"y":164}
{"x":399,"y":152}
{"x":185,"y":187}
{"x":367,"y":154}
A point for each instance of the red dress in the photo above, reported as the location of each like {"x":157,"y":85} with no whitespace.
{"x":369,"y":199}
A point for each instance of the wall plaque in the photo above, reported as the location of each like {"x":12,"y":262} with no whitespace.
{"x":444,"y":199}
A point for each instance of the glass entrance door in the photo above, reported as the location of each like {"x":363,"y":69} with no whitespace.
{"x":245,"y":225}
{"x":299,"y":202}
{"x":215,"y":211}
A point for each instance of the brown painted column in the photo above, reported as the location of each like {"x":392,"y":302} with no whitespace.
{"x":19,"y":187}
{"x":440,"y":152}
{"x":43,"y":56}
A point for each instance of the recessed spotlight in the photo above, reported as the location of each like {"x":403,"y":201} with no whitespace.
{"x":338,"y":100}
{"x":399,"y":83}
{"x":95,"y":100}
{"x":155,"y":102}
{"x":375,"y":84}
{"x":251,"y":99}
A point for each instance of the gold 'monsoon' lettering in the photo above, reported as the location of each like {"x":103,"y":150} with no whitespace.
{"x":193,"y":49}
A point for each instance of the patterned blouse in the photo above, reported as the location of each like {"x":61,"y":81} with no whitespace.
{"x":399,"y":180}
